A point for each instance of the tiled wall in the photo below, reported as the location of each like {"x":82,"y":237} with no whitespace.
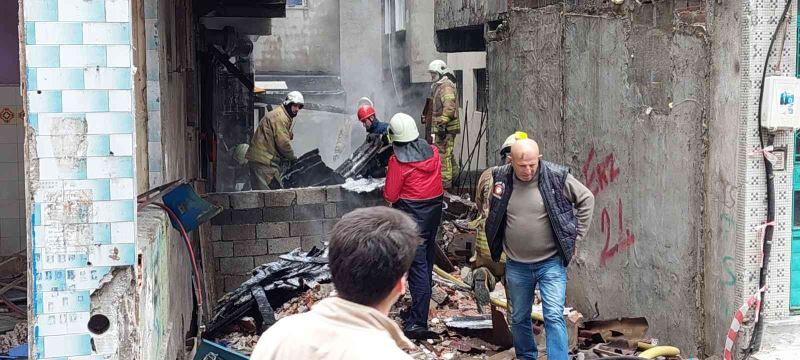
{"x":12,"y":214}
{"x":154,"y":148}
{"x":79,"y":81}
{"x":758,"y":24}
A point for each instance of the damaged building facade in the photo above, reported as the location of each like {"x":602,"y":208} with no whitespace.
{"x":672,"y":156}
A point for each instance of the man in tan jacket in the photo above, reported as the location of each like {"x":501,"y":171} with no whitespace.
{"x":370,"y":252}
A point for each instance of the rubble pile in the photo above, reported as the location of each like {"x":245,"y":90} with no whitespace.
{"x":14,"y":338}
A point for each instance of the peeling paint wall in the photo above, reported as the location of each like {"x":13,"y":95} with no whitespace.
{"x":80,"y":169}
{"x":595,"y":91}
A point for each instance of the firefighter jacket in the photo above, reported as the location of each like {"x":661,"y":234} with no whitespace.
{"x":445,"y":107}
{"x":272,"y":140}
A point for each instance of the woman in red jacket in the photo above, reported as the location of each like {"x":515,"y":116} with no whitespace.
{"x":414,"y":185}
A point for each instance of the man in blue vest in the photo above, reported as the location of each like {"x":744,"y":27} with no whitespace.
{"x":537,"y":213}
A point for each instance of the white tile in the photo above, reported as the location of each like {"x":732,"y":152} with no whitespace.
{"x":118,"y":11}
{"x":84,"y":10}
{"x":121,"y":144}
{"x":122,"y":189}
{"x":9,"y":190}
{"x":9,"y":134}
{"x":118,"y":55}
{"x":119,"y":100}
{"x":8,"y":153}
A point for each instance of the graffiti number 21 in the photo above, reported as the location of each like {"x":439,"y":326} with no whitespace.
{"x":624,"y":237}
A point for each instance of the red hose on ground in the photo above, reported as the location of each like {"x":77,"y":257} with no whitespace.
{"x":198,"y":288}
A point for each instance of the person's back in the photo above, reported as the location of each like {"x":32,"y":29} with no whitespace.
{"x":371,"y":250}
{"x":334,"y":329}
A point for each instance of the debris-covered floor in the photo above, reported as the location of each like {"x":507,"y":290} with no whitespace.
{"x":295,"y":283}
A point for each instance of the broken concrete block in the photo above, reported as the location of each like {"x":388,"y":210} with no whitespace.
{"x":303,"y":228}
{"x":250,"y":248}
{"x":328,"y":225}
{"x":222,"y":249}
{"x":272,"y":230}
{"x":311,"y":196}
{"x":309,"y":212}
{"x":246,"y":200}
{"x":334,"y":193}
{"x":277,"y":214}
{"x":330,"y":211}
{"x":283,"y":245}
{"x":222,"y":200}
{"x":309,"y":242}
{"x":279,"y":198}
{"x":236,"y":265}
{"x":249,"y":216}
{"x":438,"y":295}
{"x":238,"y":232}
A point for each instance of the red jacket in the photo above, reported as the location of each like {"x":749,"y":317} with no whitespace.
{"x":421,"y":180}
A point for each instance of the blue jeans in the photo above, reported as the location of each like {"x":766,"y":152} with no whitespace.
{"x":521,"y":279}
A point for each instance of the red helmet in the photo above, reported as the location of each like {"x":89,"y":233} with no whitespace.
{"x":364,"y":112}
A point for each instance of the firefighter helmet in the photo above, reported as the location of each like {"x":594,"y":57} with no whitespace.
{"x":364,"y":112}
{"x":403,"y":128}
{"x":294,"y":97}
{"x":439,"y":67}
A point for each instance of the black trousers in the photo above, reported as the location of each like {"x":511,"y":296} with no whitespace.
{"x":428,"y":216}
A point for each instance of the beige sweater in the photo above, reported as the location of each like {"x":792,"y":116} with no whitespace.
{"x":334,"y":329}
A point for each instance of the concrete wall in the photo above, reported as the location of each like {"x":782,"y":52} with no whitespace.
{"x":420,"y":45}
{"x":722,"y":201}
{"x":600,"y":105}
{"x":306,"y":40}
{"x":361,"y":39}
{"x":257,"y":226}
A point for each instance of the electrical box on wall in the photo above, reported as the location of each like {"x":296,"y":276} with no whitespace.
{"x":781,"y":106}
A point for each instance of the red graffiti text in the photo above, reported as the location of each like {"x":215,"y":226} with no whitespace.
{"x":624,"y":238}
{"x":599,"y":176}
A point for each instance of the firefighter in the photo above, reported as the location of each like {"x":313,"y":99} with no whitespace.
{"x":376,"y":133}
{"x":446,"y":124}
{"x":271,"y":144}
{"x":486,"y":271}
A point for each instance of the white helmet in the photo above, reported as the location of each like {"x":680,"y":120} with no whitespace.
{"x":294,"y":97}
{"x":403,"y":128}
{"x":438,"y":67}
{"x":510,"y":140}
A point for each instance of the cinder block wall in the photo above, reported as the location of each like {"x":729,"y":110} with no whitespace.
{"x":257,"y":226}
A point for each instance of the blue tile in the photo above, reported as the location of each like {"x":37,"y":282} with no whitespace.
{"x":31,"y":79}
{"x":48,"y":261}
{"x":30,"y":33}
{"x":64,"y":301}
{"x":59,"y":79}
{"x":44,"y":102}
{"x":150,"y":9}
{"x":40,"y":10}
{"x":42,"y":56}
{"x":87,"y":278}
{"x":51,"y":280}
{"x":153,"y":96}
{"x":102,"y":234}
{"x":152,"y":65}
{"x":66,"y":345}
{"x":37,"y":214}
{"x":154,"y":126}
{"x":108,"y":78}
{"x":107,"y":33}
{"x":154,"y":156}
{"x":55,"y":169}
{"x":33,"y":120}
{"x":113,"y":255}
{"x":83,"y":55}
{"x":62,"y":124}
{"x":85,"y":101}
{"x":110,"y":123}
{"x":151,"y":35}
{"x":81,"y":10}
{"x":98,"y":145}
{"x":59,"y":33}
{"x":110,"y":167}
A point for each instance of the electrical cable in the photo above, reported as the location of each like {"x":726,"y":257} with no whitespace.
{"x":195,"y":269}
{"x":755,"y":340}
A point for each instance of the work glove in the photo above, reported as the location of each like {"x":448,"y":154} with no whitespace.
{"x":374,"y":138}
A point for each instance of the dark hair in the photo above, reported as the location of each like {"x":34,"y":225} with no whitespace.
{"x":371,"y":248}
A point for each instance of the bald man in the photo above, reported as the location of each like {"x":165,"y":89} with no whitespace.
{"x":537,"y":213}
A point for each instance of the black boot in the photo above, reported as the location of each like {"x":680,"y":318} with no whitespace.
{"x":417,"y":332}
